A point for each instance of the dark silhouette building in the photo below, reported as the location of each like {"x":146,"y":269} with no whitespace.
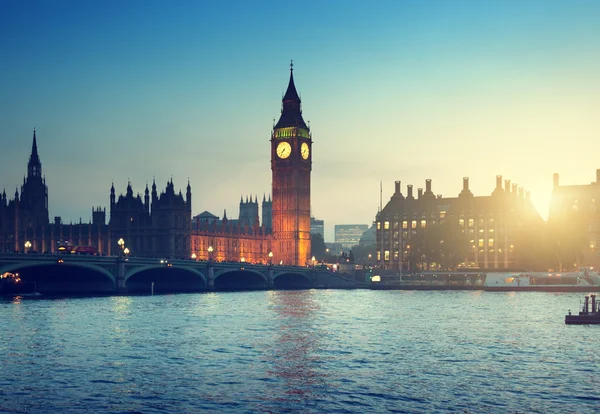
{"x":157,"y":226}
{"x":24,"y":220}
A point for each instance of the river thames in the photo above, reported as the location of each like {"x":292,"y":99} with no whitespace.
{"x":299,"y":351}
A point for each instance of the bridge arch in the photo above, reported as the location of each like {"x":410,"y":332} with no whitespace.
{"x":139,"y":279}
{"x":64,"y":277}
{"x":240,"y":279}
{"x":292,"y":280}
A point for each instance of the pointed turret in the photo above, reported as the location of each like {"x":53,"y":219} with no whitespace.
{"x":291,"y":111}
{"x":34,"y":166}
{"x":147,"y":198}
{"x":112,"y":194}
{"x":154,"y":192}
{"x":188,"y":196}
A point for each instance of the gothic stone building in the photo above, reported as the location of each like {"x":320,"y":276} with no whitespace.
{"x":491,"y":223}
{"x":157,"y":228}
{"x":24,"y":220}
{"x":285,"y":231}
{"x":236,"y":240}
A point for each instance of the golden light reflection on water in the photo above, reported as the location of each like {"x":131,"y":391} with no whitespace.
{"x":121,"y":304}
{"x":295,"y":354}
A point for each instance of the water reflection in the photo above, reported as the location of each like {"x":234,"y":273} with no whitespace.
{"x":295,"y":356}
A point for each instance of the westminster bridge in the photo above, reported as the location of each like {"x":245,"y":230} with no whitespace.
{"x":68,"y":273}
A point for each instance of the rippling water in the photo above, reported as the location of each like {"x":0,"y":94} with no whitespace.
{"x":302,"y":351}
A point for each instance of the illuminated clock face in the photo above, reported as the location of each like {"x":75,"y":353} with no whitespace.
{"x":304,"y":150}
{"x":284,"y":149}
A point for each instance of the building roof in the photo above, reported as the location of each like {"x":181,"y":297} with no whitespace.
{"x":206,"y":215}
{"x":291,"y":112}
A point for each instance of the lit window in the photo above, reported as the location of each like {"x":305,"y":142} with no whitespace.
{"x":461,"y":222}
{"x":405,"y":224}
{"x":480,"y":242}
{"x":490,"y":230}
{"x":387,"y":255}
{"x":379,"y":225}
{"x":378,"y":255}
{"x":442,"y":214}
{"x":471,"y":222}
{"x":414,"y":224}
{"x":423,"y":224}
{"x":386,"y":225}
{"x":491,"y":243}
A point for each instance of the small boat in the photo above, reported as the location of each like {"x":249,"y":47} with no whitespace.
{"x":590,"y":313}
{"x":12,"y":284}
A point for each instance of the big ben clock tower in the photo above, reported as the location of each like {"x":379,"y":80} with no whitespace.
{"x":291,"y":159}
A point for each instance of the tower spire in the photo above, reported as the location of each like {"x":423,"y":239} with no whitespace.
{"x":34,"y":166}
{"x":291,"y":113}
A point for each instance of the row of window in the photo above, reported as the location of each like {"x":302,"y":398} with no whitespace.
{"x":386,"y":253}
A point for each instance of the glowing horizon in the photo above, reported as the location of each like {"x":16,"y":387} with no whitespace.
{"x":394,"y":91}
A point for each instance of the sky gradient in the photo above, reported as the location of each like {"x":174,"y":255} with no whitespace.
{"x":393,"y":90}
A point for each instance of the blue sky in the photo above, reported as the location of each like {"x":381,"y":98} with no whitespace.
{"x":393,"y":90}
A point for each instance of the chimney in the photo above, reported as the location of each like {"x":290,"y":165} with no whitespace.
{"x":499,"y":182}
{"x":428,"y":185}
{"x":555,"y":177}
{"x":514,"y":188}
{"x":397,"y":189}
{"x":420,"y":192}
{"x":466,"y":183}
{"x":409,"y":190}
{"x":507,"y":186}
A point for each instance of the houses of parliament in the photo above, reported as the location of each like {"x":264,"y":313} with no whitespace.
{"x":161,"y":225}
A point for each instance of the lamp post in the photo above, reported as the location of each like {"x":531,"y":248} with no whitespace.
{"x":270,"y":258}
{"x":27,"y":246}
{"x":121,"y":244}
{"x":210,"y":250}
{"x":313,"y":261}
{"x":193,"y":256}
{"x":126,"y":251}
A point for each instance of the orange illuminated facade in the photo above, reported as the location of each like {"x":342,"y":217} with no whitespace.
{"x":291,"y":164}
{"x":283,"y":237}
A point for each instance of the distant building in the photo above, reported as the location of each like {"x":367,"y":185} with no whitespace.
{"x":369,"y":237}
{"x":491,"y":223}
{"x":348,"y":235}
{"x":334,"y":249}
{"x":575,"y":209}
{"x":317,"y":227}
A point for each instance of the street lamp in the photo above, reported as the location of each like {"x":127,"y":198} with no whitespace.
{"x":121,"y":244}
{"x":27,"y":246}
{"x":126,"y":251}
{"x":243,"y":260}
{"x":193,"y":256}
{"x":270,"y":258}
{"x":313,"y":260}
{"x":210,"y":250}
